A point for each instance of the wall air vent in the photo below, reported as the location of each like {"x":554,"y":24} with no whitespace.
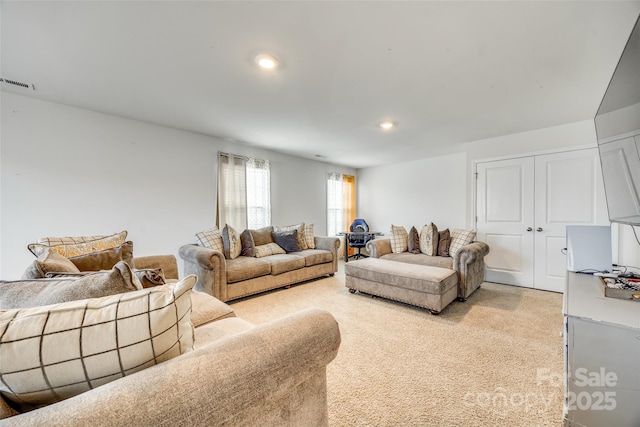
{"x":17,"y":83}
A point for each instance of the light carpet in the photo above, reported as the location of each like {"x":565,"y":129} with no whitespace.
{"x":494,"y":360}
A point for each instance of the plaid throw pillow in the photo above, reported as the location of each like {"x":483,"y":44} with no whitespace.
{"x":211,"y":239}
{"x":459,"y":238}
{"x":399,"y":239}
{"x":53,"y":352}
{"x":309,"y":237}
{"x":68,"y":247}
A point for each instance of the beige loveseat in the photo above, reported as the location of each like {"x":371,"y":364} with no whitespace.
{"x":468,"y":262}
{"x":229,"y":279}
{"x":238,"y":374}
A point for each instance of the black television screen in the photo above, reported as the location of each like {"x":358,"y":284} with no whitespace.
{"x":618,"y":131}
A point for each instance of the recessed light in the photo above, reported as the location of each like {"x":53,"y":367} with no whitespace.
{"x":267,"y":62}
{"x":387,"y":125}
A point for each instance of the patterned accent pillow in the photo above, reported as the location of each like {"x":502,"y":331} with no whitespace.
{"x":399,"y":239}
{"x":429,"y":239}
{"x":300,"y":227}
{"x":106,"y":259}
{"x":269,"y":249}
{"x":211,"y":239}
{"x":459,"y":238}
{"x":231,"y":242}
{"x":69,"y":250}
{"x":444,"y":242}
{"x":49,"y":262}
{"x":309,"y":236}
{"x":33,"y":293}
{"x":54,"y":352}
{"x":413,"y":244}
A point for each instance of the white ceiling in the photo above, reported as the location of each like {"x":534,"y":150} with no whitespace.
{"x":447,"y":72}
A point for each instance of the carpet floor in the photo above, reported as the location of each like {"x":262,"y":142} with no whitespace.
{"x":494,"y":360}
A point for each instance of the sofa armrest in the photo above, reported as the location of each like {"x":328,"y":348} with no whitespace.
{"x":378,"y":247}
{"x":167,"y":263}
{"x":271,"y":375}
{"x":209,"y":266}
{"x":469,"y":263}
{"x":330,"y":244}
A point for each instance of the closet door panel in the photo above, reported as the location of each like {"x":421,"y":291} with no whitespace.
{"x":569,"y":191}
{"x":504,"y":214}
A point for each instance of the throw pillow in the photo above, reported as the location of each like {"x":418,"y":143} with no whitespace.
{"x":309,"y":236}
{"x":106,"y":259}
{"x":150,"y":277}
{"x":248,"y":246}
{"x":429,"y":239}
{"x":54,"y":352}
{"x":268,"y":249}
{"x":262,"y":236}
{"x":49,"y":262}
{"x":54,"y":241}
{"x":399,"y":239}
{"x":33,"y":293}
{"x":231,"y":242}
{"x":444,"y":241}
{"x":69,"y":250}
{"x":413,"y":244}
{"x":300,"y":228}
{"x":287,"y":240}
{"x":6,"y":411}
{"x":211,"y":239}
{"x":459,"y":238}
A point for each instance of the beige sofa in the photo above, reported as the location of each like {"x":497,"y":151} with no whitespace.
{"x":468,"y":262}
{"x":239,"y":374}
{"x":229,"y":279}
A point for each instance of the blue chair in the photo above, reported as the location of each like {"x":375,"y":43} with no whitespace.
{"x":359,"y":241}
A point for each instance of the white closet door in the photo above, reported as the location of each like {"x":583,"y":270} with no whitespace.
{"x":523,"y":208}
{"x":568,"y":190}
{"x":505,"y":219}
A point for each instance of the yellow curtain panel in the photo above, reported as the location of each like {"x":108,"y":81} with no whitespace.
{"x":349,"y":193}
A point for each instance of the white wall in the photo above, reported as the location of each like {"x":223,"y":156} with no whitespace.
{"x":628,"y":247}
{"x":440,"y":189}
{"x":68,"y":171}
{"x":415,"y":193}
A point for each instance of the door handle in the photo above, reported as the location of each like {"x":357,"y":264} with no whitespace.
{"x":539,"y":229}
{"x":529,"y":229}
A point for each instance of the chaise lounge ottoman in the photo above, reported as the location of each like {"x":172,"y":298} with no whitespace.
{"x":424,"y":286}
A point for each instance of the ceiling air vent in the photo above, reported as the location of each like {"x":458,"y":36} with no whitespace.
{"x":17,"y":83}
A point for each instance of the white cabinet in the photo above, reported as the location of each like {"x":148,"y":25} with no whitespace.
{"x":602,"y":356}
{"x":523,"y":207}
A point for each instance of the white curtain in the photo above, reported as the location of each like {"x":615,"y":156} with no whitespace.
{"x":335,"y":208}
{"x":258,"y":193}
{"x":335,"y":204}
{"x":232,"y":194}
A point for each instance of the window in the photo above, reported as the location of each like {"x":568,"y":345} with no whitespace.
{"x":244,"y":192}
{"x":258,"y":193}
{"x":341,"y":196}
